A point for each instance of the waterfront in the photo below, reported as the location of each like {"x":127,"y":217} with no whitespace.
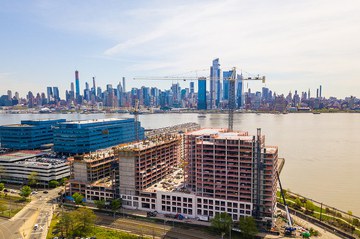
{"x":322,"y":160}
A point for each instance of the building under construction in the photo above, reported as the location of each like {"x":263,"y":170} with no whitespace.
{"x":235,"y":167}
{"x":142,"y":165}
{"x":92,"y":175}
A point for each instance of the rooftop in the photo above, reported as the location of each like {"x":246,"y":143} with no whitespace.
{"x":172,"y":182}
{"x":103,"y":182}
{"x":42,"y":162}
{"x":98,"y":154}
{"x":31,"y":158}
{"x":222,"y":134}
{"x":91,"y":121}
{"x":271,"y":149}
{"x":19,"y":155}
{"x":148,"y":143}
{"x":17,"y":125}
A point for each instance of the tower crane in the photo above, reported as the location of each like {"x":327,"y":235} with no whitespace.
{"x":232,"y":80}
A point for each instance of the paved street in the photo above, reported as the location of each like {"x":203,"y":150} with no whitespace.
{"x":38,"y":211}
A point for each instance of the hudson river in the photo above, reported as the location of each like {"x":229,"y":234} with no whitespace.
{"x":321,"y":151}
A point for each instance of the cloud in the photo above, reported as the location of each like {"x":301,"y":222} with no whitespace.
{"x":286,"y":40}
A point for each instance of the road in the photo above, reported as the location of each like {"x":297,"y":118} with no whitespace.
{"x":38,"y":211}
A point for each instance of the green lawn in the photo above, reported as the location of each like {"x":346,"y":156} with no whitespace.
{"x":105,"y":233}
{"x":10,"y":205}
{"x":98,"y":232}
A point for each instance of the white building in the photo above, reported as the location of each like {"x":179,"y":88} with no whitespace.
{"x":18,"y":165}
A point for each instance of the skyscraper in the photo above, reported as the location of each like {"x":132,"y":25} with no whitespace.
{"x":202,"y":94}
{"x":123,"y":85}
{"x":214,"y":83}
{"x":94,"y":86}
{"x":320,"y":91}
{"x":56,"y":93}
{"x":77,"y":84}
{"x":192,"y":87}
{"x":226,"y":76}
{"x":49,"y":94}
{"x":240,"y":91}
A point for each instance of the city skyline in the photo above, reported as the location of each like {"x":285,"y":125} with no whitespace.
{"x":296,"y":45}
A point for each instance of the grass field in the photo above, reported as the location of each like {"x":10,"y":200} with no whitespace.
{"x":98,"y":231}
{"x":10,"y":205}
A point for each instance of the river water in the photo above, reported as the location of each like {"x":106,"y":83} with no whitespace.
{"x":322,"y":158}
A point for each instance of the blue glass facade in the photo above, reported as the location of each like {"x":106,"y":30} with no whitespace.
{"x":88,"y":136}
{"x":215,"y":85}
{"x":226,"y":76}
{"x":202,"y":95}
{"x":239,"y":92}
{"x":30,"y":134}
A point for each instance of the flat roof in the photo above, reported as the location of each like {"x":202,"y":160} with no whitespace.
{"x":19,"y":155}
{"x":148,"y":143}
{"x":103,"y":182}
{"x":172,"y":182}
{"x":93,"y":121}
{"x":31,"y":158}
{"x":17,"y":125}
{"x":42,"y":162}
{"x":222,"y":134}
{"x":271,"y":149}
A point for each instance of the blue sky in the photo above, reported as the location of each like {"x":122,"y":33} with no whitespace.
{"x":296,"y":44}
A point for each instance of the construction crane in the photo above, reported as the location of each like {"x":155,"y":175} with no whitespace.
{"x":290,"y":228}
{"x":232,"y":79}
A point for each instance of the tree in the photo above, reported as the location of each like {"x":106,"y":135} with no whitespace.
{"x":63,"y":181}
{"x":65,"y":224}
{"x":78,"y":198}
{"x":100,"y":203}
{"x":2,"y":186}
{"x":33,"y":178}
{"x":84,"y":219}
{"x":25,"y":191}
{"x":298,"y":203}
{"x":222,"y":222}
{"x":78,"y":223}
{"x":115,"y":205}
{"x":248,"y":227}
{"x":309,"y":206}
{"x":53,"y":184}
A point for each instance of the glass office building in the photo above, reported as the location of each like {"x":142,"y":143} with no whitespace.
{"x":30,"y":134}
{"x":85,"y":136}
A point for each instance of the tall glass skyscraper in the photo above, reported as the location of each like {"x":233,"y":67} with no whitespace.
{"x":239,"y":91}
{"x":77,"y":84}
{"x":226,"y":76}
{"x":202,"y":94}
{"x":214,"y":84}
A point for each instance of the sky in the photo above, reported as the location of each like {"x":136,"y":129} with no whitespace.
{"x":297,"y":45}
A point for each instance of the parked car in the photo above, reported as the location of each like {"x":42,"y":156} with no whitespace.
{"x":152,"y":214}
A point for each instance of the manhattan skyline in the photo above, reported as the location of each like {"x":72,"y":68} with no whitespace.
{"x":295,"y":45}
